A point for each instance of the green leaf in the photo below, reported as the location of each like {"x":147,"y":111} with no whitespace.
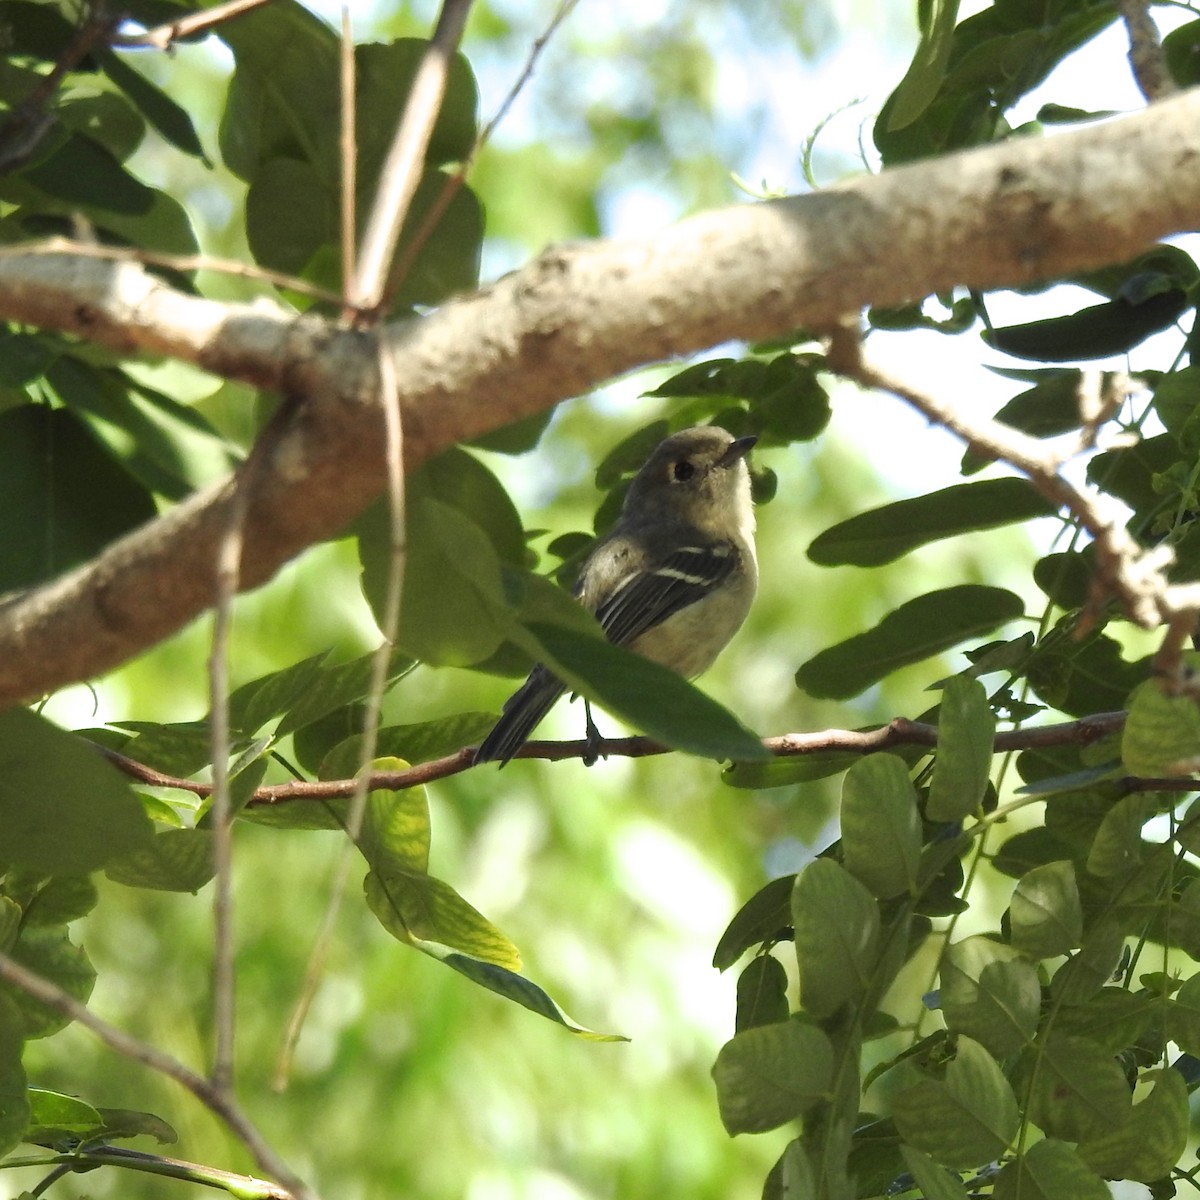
{"x":991,"y":993}
{"x":885,"y":534}
{"x":410,"y":904}
{"x":1098,"y":331}
{"x":61,"y":900}
{"x":170,"y":119}
{"x":916,"y":630}
{"x":58,"y":1120}
{"x":1118,"y":847}
{"x":1112,"y":1017}
{"x":923,"y":79}
{"x":966,"y":728}
{"x":1045,"y":914}
{"x":48,"y":952}
{"x":650,"y":697}
{"x":129,"y":1122}
{"x":881,"y":828}
{"x":1152,"y":1140}
{"x":772,"y":1074}
{"x":63,"y":809}
{"x":761,"y":993}
{"x":176,"y":860}
{"x":965,"y":1120}
{"x":454,"y":610}
{"x":1085,"y":973}
{"x":421,"y":911}
{"x":51,"y":473}
{"x":1077,"y":1090}
{"x":82,"y":173}
{"x":762,"y":919}
{"x":1162,"y":732}
{"x":14,"y":1100}
{"x":837,"y":930}
{"x":1183,"y":1016}
{"x":1049,"y":1170}
{"x":518,"y":989}
{"x":417,"y":743}
{"x":785,"y":772}
{"x":935,"y":1181}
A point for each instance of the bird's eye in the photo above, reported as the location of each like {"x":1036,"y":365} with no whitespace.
{"x":684,"y":470}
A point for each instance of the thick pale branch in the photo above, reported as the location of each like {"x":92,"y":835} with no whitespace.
{"x":578,"y":315}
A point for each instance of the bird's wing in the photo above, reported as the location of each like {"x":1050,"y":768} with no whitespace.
{"x":653,"y":594}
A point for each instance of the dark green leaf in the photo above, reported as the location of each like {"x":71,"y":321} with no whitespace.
{"x":965,"y":1120}
{"x":762,"y":919}
{"x":651,"y":697}
{"x":885,"y":534}
{"x":81,"y":172}
{"x":521,"y":991}
{"x":761,"y":993}
{"x":916,"y":630}
{"x":63,"y":809}
{"x":1098,"y":331}
{"x":51,"y":473}
{"x":881,"y":828}
{"x":836,"y":922}
{"x":769,"y":1075}
{"x":170,"y":119}
{"x":966,"y":729}
{"x":128,"y":1123}
{"x":14,"y":1100}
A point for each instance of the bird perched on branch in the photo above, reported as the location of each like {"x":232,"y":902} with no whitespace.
{"x":672,"y":581}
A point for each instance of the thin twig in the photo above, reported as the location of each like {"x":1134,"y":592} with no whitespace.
{"x":216,"y":1099}
{"x":229,"y":560}
{"x":402,"y":168}
{"x":28,"y":123}
{"x":900,"y":732}
{"x":349,"y":158}
{"x":437,"y":209}
{"x":162,"y":37}
{"x":168,"y":262}
{"x":1145,"y":50}
{"x":1136,"y":576}
{"x":389,"y":627}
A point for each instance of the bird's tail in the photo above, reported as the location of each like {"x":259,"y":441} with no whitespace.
{"x":524,"y":709}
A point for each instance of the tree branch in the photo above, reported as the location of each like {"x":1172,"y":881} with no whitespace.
{"x":999,"y":216}
{"x":898,"y":732}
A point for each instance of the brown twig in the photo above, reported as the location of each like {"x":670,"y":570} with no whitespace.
{"x":349,"y":159}
{"x":900,"y":732}
{"x":1135,"y":576}
{"x":216,"y":1099}
{"x":1145,"y":50}
{"x":437,"y":209}
{"x":162,"y":37}
{"x":402,"y":168}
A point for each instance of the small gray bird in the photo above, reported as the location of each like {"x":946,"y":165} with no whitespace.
{"x":673,"y":580}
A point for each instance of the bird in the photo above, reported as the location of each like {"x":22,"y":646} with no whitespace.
{"x":673,"y":580}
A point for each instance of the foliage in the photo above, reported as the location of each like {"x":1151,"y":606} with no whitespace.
{"x":1050,"y":1048}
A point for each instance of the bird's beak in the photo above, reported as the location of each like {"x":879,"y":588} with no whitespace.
{"x":737,"y":449}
